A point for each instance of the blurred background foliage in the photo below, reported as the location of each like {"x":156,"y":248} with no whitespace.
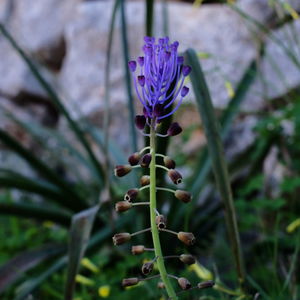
{"x":57,"y":186}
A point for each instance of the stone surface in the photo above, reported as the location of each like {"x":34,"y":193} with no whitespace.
{"x":279,"y":72}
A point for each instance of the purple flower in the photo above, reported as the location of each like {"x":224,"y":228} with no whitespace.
{"x":161,"y":77}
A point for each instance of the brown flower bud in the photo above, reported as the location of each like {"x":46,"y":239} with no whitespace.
{"x":121,"y":238}
{"x":175,"y":176}
{"x":187,"y":238}
{"x":122,"y":170}
{"x":161,"y":222}
{"x":145,"y":180}
{"x":146,"y":160}
{"x":160,"y":285}
{"x":187,"y":259}
{"x":147,"y":268}
{"x":184,"y":283}
{"x":174,"y":129}
{"x":140,"y":121}
{"x":169,"y":162}
{"x":131,"y":195}
{"x":206,"y":284}
{"x":137,"y":249}
{"x":183,"y":196}
{"x":122,"y":206}
{"x":134,"y":158}
{"x":130,"y":281}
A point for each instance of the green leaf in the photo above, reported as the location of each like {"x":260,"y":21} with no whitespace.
{"x":81,"y":227}
{"x":56,"y":100}
{"x":71,"y":197}
{"x":215,"y":148}
{"x":36,"y":211}
{"x":130,"y":103}
{"x":16,"y":267}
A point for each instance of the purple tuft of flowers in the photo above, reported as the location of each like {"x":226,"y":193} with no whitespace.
{"x":161,"y":77}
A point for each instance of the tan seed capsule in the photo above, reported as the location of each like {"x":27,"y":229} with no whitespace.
{"x":146,"y":160}
{"x":147,"y":268}
{"x":183,"y":196}
{"x":160,"y":285}
{"x":137,"y":249}
{"x":174,"y":129}
{"x":169,"y":162}
{"x":145,"y":180}
{"x":134,"y":159}
{"x":131,"y":195}
{"x":122,"y":206}
{"x":187,"y":259}
{"x":130,"y":281}
{"x":122,"y":170}
{"x":121,"y":238}
{"x":205,"y":284}
{"x":184,"y":283}
{"x":175,"y":176}
{"x":187,"y":238}
{"x":161,"y":222}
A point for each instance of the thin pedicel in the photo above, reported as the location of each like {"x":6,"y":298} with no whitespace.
{"x":160,"y":88}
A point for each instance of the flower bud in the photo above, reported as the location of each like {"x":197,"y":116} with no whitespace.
{"x":205,"y":284}
{"x":146,"y":160}
{"x":183,"y":196}
{"x":186,"y":70}
{"x":134,"y":158}
{"x":122,"y":206}
{"x":158,"y":110}
{"x":184,"y":283}
{"x":131,"y":195}
{"x":175,"y":176}
{"x":130,"y":281}
{"x":132,"y":65}
{"x":137,"y":249}
{"x":187,"y":259}
{"x":147,"y":268}
{"x":174,"y":129}
{"x":121,"y":238}
{"x":140,"y":121}
{"x":161,"y":222}
{"x":145,"y":180}
{"x":187,"y":238}
{"x":160,"y":285}
{"x":122,"y":170}
{"x":169,"y":162}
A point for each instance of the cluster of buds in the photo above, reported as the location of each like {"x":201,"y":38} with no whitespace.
{"x":160,"y":82}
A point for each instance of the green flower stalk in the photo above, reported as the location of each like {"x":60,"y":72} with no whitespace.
{"x":158,"y":87}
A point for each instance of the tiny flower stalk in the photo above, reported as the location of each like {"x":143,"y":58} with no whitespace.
{"x":158,"y":86}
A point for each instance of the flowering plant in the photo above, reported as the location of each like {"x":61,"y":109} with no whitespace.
{"x":158,"y":86}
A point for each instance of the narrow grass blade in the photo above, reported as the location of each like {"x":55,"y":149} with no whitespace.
{"x":16,"y":267}
{"x":56,"y":100}
{"x":203,"y":166}
{"x":216,"y":152}
{"x":81,"y":227}
{"x":149,"y":17}
{"x":130,"y":103}
{"x":72,"y":198}
{"x":37,"y":212}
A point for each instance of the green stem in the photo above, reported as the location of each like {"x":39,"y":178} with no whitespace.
{"x":165,"y":189}
{"x":154,"y":230}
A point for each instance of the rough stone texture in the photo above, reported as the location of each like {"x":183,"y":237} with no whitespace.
{"x":278,"y":70}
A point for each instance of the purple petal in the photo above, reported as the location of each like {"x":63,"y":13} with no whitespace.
{"x":141,"y":80}
{"x":184,"y":91}
{"x":180,"y":60}
{"x":132,"y":65}
{"x":141,"y":60}
{"x":186,"y":70}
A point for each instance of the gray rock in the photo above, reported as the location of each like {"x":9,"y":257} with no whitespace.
{"x":279,"y":69}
